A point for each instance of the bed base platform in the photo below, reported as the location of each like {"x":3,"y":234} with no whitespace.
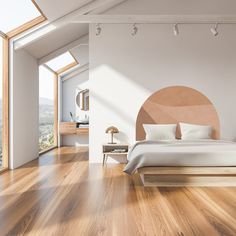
{"x":188,"y":176}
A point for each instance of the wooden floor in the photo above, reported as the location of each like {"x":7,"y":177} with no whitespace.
{"x":61,"y":194}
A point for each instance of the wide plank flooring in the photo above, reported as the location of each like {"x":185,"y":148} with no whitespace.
{"x":62,"y":194}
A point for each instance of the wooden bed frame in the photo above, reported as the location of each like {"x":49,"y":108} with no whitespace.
{"x":181,"y":104}
{"x":188,"y":176}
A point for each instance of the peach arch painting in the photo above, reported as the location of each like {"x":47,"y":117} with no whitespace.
{"x":176,"y":104}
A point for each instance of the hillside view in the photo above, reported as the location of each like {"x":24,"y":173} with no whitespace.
{"x":46,"y":122}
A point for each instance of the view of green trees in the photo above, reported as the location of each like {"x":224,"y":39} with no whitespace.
{"x":46,"y":124}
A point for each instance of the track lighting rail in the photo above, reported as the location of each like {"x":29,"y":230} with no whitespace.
{"x":156,"y":19}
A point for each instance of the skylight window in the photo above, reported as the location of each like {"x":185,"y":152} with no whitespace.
{"x":61,"y":61}
{"x":15,"y":13}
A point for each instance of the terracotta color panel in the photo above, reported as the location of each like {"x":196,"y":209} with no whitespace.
{"x":177,"y":104}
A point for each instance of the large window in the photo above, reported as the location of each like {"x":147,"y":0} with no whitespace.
{"x":46,"y":109}
{"x":16,"y":17}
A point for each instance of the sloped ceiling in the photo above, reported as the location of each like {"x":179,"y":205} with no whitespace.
{"x":61,"y":36}
{"x":54,"y":9}
{"x":57,"y":39}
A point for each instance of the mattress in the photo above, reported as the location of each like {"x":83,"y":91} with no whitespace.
{"x":181,"y":153}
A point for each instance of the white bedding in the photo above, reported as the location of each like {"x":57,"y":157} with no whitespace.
{"x":181,"y":153}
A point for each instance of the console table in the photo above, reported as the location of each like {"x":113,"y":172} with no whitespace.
{"x":70,"y":128}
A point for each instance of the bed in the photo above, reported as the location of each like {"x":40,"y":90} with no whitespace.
{"x":178,"y":162}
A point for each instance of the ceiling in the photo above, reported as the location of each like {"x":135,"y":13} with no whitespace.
{"x":139,"y":7}
{"x":70,"y":32}
{"x":56,"y":39}
{"x":56,"y":9}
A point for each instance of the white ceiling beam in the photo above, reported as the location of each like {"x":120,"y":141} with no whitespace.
{"x":80,"y":41}
{"x":76,"y":71}
{"x":156,"y":19}
{"x":106,"y":7}
{"x":50,"y":27}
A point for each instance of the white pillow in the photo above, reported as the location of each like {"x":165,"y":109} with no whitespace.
{"x":160,"y":132}
{"x":192,"y":131}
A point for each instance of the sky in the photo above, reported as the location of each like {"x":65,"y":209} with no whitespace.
{"x":60,"y":61}
{"x":46,"y":83}
{"x":10,"y":17}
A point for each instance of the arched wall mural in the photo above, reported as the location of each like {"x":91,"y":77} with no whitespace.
{"x":176,"y":104}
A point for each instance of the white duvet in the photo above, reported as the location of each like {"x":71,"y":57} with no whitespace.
{"x":181,"y":153}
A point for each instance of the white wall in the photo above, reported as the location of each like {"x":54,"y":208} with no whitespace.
{"x":69,"y":91}
{"x":23,"y":109}
{"x":126,"y":70}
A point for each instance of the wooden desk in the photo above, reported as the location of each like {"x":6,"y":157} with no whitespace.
{"x":70,"y":128}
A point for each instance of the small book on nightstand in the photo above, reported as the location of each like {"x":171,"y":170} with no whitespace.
{"x":119,"y":150}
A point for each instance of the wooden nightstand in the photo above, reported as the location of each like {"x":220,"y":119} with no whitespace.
{"x":109,"y":149}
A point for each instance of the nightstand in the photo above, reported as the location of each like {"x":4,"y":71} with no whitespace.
{"x":113,"y":149}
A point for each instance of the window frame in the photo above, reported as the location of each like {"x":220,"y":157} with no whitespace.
{"x":65,"y":68}
{"x":56,"y":112}
{"x":5,"y":103}
{"x":55,"y":104}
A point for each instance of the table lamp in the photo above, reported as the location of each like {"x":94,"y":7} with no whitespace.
{"x":112,"y":130}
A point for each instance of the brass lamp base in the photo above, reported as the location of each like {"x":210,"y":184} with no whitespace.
{"x":111,"y":142}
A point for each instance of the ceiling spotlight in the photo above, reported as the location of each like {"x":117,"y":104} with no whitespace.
{"x":135,"y":30}
{"x":98,"y":29}
{"x":214,"y":30}
{"x":176,"y":29}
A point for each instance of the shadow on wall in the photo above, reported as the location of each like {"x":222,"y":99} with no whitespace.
{"x":122,"y":137}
